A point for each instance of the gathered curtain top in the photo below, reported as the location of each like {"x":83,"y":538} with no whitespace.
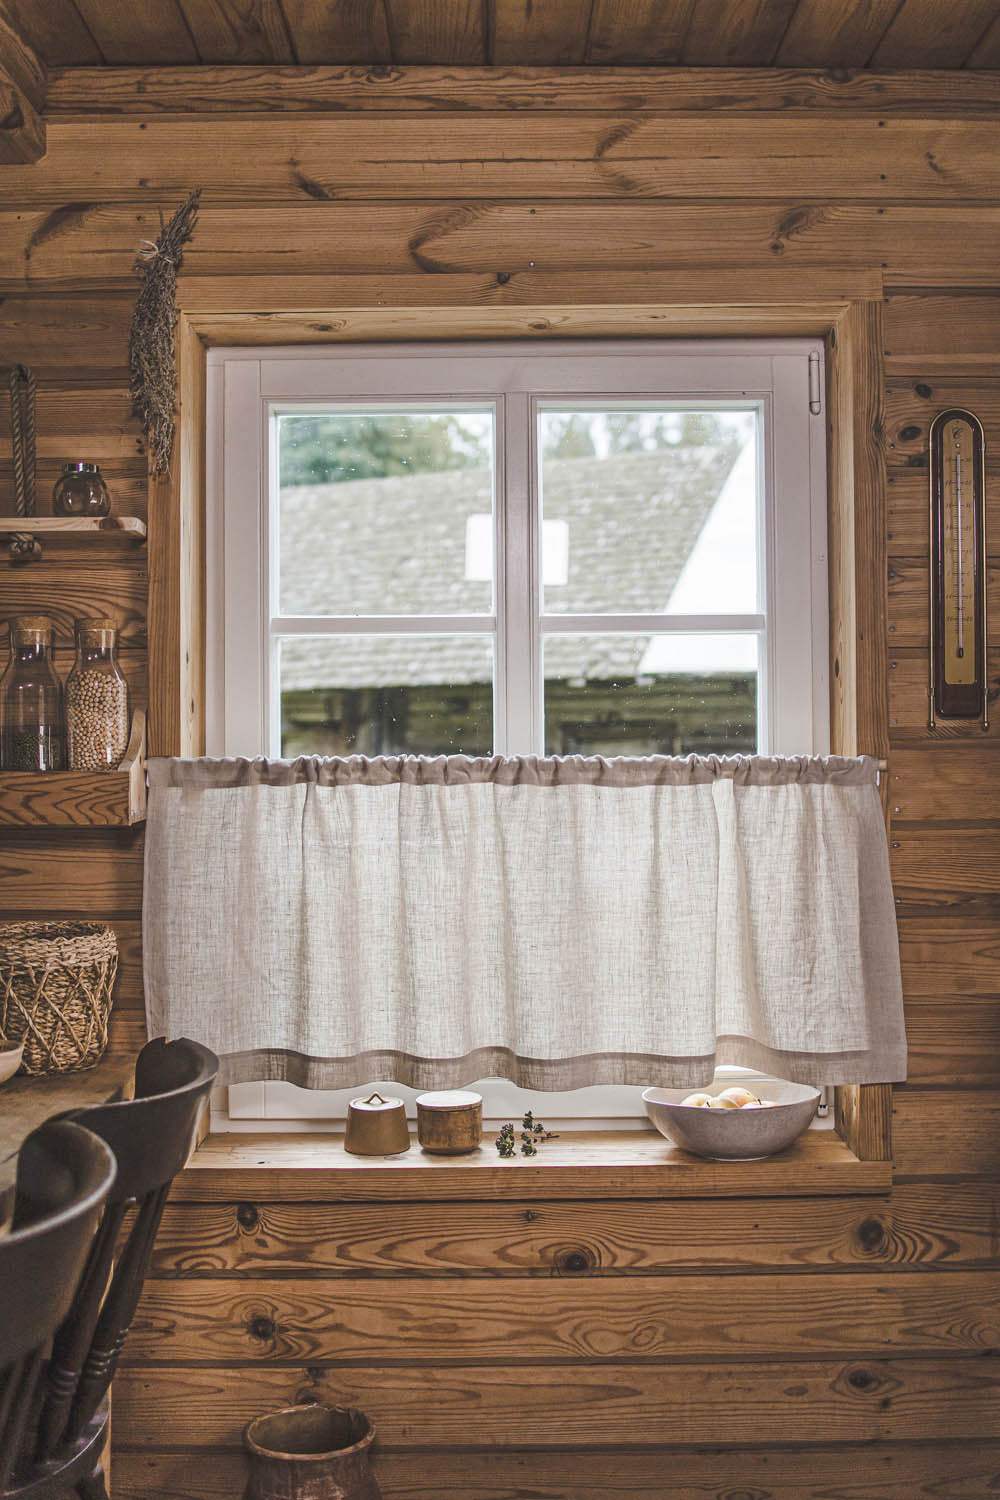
{"x":208,"y":772}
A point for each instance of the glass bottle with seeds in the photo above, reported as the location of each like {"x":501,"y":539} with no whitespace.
{"x":31,"y":700}
{"x":97,"y":708}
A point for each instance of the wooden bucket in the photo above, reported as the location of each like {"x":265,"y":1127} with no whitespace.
{"x":312,"y":1452}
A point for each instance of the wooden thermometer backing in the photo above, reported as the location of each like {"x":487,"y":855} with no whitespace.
{"x":958,"y":686}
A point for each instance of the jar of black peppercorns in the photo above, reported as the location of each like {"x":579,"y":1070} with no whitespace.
{"x":97,"y":708}
{"x":31,"y":703}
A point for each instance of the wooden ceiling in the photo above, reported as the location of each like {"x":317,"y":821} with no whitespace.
{"x":881,"y":34}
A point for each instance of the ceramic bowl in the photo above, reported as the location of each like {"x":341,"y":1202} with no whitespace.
{"x":733,"y":1134}
{"x":10,"y":1058}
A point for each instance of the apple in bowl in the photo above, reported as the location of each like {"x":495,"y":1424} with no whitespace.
{"x":734,"y":1124}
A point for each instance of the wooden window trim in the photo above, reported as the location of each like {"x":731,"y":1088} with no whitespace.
{"x":257,"y":310}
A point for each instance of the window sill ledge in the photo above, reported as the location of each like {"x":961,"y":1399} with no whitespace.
{"x":588,"y":1164}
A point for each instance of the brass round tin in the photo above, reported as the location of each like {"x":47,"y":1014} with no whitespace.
{"x":450,"y":1123}
{"x":376,"y":1126}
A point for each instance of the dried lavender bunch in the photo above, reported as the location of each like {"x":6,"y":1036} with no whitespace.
{"x":151,"y":360}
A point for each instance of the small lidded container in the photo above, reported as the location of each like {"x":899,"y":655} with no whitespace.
{"x":97,"y":707}
{"x":450,"y":1123}
{"x":31,"y":700}
{"x":80,"y":491}
{"x":376,"y":1126}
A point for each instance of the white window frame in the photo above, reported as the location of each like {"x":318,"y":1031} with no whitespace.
{"x":248,"y":387}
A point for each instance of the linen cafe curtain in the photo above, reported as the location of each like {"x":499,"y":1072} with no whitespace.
{"x":555,"y":921}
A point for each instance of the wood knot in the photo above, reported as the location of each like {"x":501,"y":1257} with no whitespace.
{"x":924,"y":391}
{"x":247,"y":1216}
{"x":575,"y":1262}
{"x":262,"y":1328}
{"x":909,"y":434}
{"x":871,"y":1234}
{"x":860,"y":1379}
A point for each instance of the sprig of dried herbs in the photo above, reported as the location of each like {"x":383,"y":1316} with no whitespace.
{"x":533,"y":1133}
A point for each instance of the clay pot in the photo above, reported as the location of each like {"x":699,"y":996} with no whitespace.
{"x":312,"y":1452}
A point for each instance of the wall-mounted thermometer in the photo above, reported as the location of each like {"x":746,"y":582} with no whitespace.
{"x":958,"y":686}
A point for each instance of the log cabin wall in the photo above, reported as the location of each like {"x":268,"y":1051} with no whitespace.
{"x":789,"y":1348}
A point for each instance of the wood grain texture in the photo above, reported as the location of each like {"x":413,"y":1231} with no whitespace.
{"x":747,"y":32}
{"x":912,"y":404}
{"x":638,"y":31}
{"x":956,"y":783}
{"x":952,"y":32}
{"x":66,"y":245}
{"x":86,"y":872}
{"x":238,"y":31}
{"x":53,"y":31}
{"x":986,"y":53}
{"x":942,"y":333}
{"x":921,"y":1225}
{"x":22,"y":95}
{"x":585,"y":1165}
{"x":845,"y":36}
{"x":351,"y":32}
{"x":864,"y":1119}
{"x":954,"y":1043}
{"x":957,"y":857}
{"x":93,"y":423}
{"x":72,"y":799}
{"x":954,"y":1132}
{"x":21,"y":65}
{"x":950,"y":956}
{"x":889,"y":1471}
{"x":553,"y":33}
{"x":466,"y":156}
{"x":636,"y":1319}
{"x":564,"y":1406}
{"x":859,"y":603}
{"x":324,"y":89}
{"x":176,"y":569}
{"x":68,"y":337}
{"x":423,"y":31}
{"x":129,"y":33}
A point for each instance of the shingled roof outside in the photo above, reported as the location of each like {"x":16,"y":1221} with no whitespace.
{"x":398,"y":546}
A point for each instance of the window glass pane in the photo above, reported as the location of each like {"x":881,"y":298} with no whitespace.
{"x":386,"y":695}
{"x":668,"y":694}
{"x":386,"y":512}
{"x":648,"y":511}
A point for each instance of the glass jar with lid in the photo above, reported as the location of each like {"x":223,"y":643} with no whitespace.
{"x":31,"y":700}
{"x":80,"y":491}
{"x":97,"y":706}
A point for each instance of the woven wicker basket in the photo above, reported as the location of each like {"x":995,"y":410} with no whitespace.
{"x":55,"y":992}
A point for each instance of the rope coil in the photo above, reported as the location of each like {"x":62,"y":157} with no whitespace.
{"x":22,"y":544}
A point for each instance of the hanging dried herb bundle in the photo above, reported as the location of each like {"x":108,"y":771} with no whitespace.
{"x":151,"y":336}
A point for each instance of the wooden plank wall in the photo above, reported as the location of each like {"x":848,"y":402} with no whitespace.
{"x":779,"y":1348}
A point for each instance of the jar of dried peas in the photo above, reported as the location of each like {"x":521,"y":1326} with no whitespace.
{"x":97,"y":706}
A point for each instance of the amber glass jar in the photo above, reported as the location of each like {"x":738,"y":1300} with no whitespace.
{"x":80,"y":491}
{"x":97,"y":709}
{"x":31,"y":701}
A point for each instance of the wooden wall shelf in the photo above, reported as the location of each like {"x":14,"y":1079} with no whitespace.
{"x":79,"y":799}
{"x":55,"y":529}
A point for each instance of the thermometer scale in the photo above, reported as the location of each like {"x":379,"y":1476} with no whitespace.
{"x":958,"y":688}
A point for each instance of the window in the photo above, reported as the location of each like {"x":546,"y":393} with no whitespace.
{"x":560,"y":548}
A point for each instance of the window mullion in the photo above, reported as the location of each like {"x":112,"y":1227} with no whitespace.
{"x":517,"y":728}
